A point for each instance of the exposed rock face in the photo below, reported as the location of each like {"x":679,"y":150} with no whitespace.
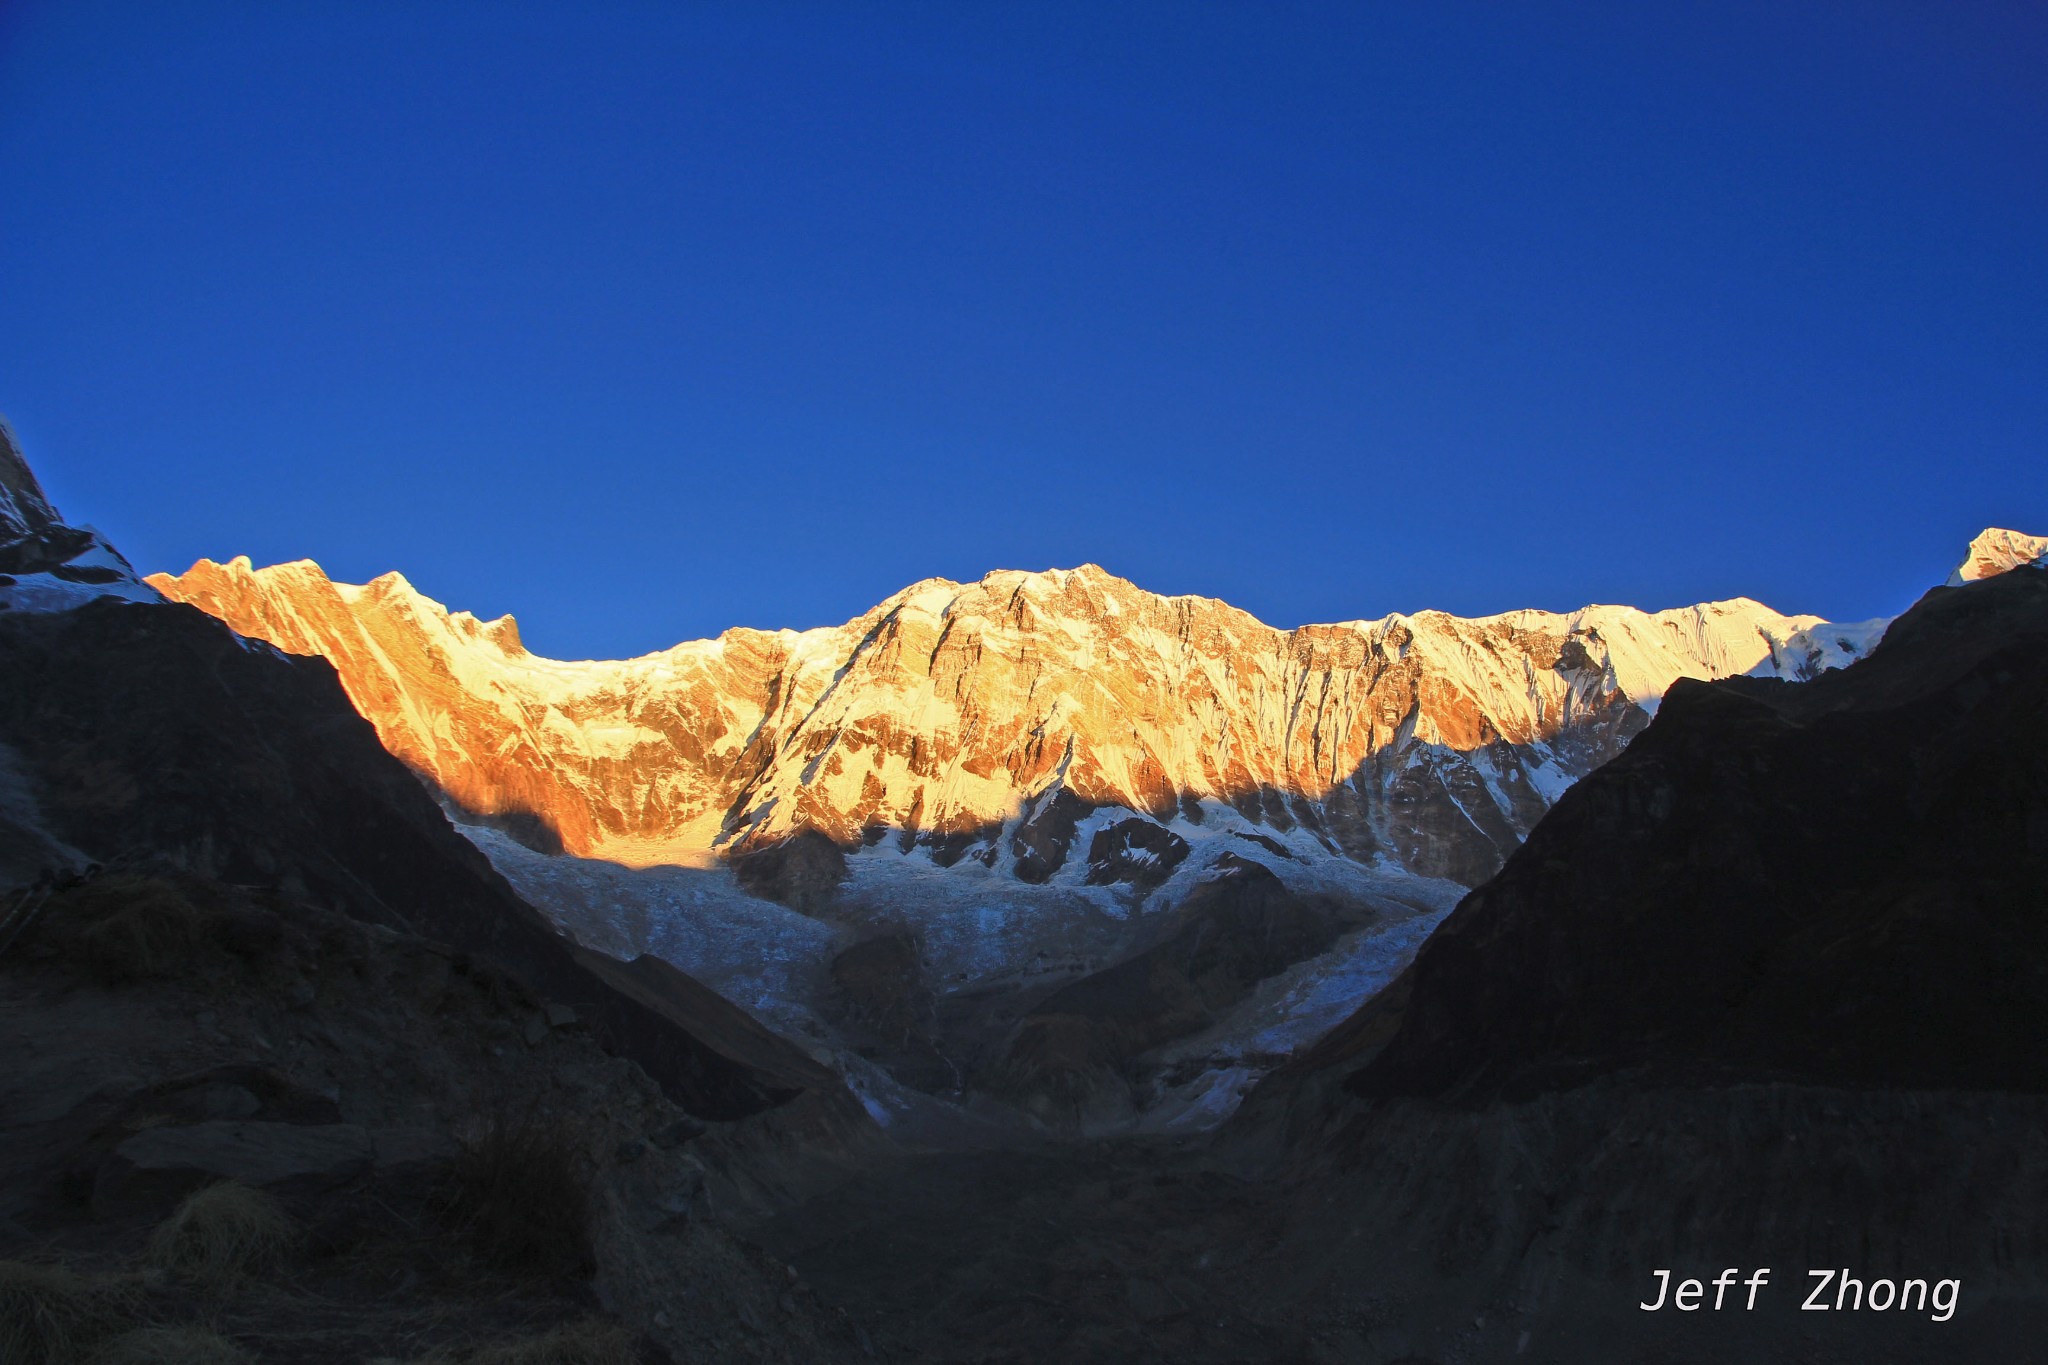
{"x":984,"y":719}
{"x":159,"y":1164}
{"x":1136,"y":852}
{"x":24,"y":510}
{"x":1075,"y":1051}
{"x":1838,"y":881}
{"x":801,"y":872}
{"x":881,"y":982}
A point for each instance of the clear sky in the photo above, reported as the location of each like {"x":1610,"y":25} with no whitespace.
{"x":643,"y":320}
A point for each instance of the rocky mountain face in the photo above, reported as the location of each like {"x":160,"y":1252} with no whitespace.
{"x":1839,"y":881}
{"x":988,"y":720}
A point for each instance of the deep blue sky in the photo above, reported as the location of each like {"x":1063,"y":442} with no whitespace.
{"x":641,"y":321}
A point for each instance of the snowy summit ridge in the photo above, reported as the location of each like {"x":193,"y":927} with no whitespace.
{"x":967,"y":843}
{"x":984,"y":720}
{"x":1997,"y":551}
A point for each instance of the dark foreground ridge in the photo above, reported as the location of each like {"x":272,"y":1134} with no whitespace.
{"x":1841,"y":881}
{"x":152,"y":732}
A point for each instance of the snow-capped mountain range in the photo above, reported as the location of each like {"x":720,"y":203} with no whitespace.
{"x":1043,"y":848}
{"x":1012,"y":793}
{"x":982,"y":720}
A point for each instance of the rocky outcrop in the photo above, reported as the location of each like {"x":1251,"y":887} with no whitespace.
{"x":160,"y":1165}
{"x":984,"y":719}
{"x":1135,"y":852}
{"x":46,"y":565}
{"x":802,"y":872}
{"x":1073,"y":1057}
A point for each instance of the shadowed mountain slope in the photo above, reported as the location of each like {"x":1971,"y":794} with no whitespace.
{"x":138,"y":730}
{"x":1839,"y":881}
{"x":154,"y":731}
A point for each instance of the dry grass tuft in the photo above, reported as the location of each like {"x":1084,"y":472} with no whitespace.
{"x":518,"y":1196}
{"x":122,"y":927}
{"x":589,"y":1342}
{"x":50,"y":1315}
{"x":171,"y":1346}
{"x":222,"y":1233}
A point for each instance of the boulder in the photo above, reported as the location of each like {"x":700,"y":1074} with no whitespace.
{"x":881,"y":986}
{"x":409,"y":1151}
{"x":802,"y":872}
{"x":158,"y":1166}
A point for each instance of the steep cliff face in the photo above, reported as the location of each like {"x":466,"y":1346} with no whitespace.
{"x":988,"y":719}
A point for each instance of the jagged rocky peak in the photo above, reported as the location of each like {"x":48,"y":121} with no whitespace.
{"x":46,"y":565}
{"x":24,"y":510}
{"x":502,"y":632}
{"x":1997,"y":551}
{"x":1011,"y":720}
